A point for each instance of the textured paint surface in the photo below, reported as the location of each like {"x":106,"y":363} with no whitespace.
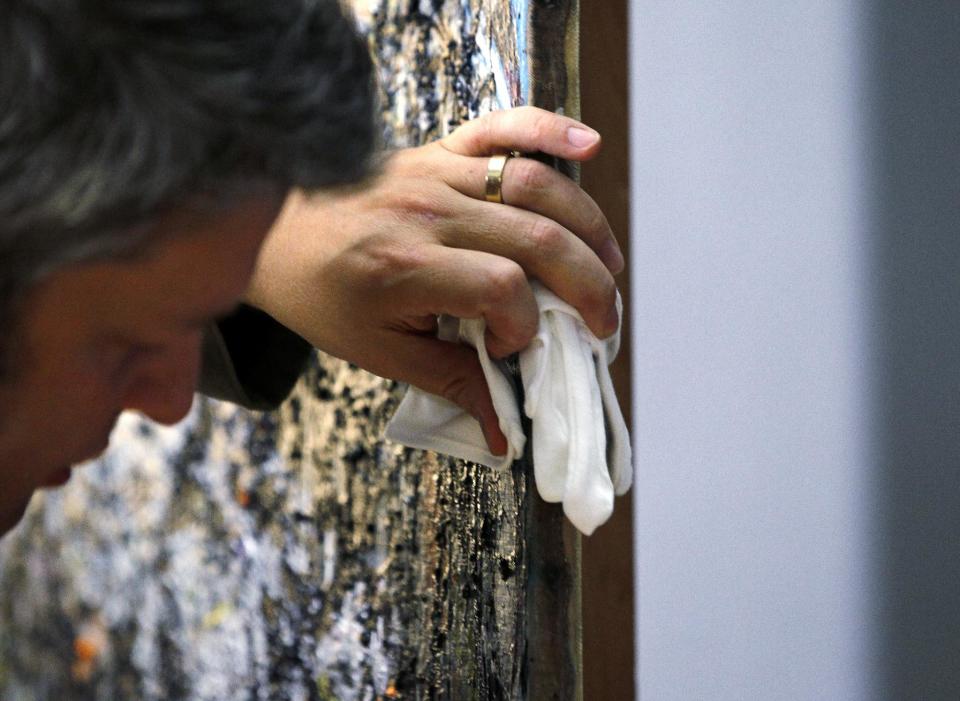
{"x":295,"y":554}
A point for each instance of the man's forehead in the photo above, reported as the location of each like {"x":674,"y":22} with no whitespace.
{"x":195,"y":272}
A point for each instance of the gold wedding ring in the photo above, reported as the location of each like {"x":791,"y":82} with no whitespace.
{"x":494,"y":179}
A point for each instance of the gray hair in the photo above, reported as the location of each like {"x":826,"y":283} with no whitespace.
{"x":113,"y":112}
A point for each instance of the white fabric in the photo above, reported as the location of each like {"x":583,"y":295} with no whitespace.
{"x":581,"y":448}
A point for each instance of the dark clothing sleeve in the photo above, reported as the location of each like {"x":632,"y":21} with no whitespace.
{"x":251,"y":359}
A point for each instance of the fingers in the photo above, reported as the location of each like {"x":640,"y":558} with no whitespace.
{"x":466,"y":284}
{"x":526,"y":129}
{"x":451,"y":371}
{"x":533,"y":186}
{"x":473,"y":284}
{"x":544,"y":250}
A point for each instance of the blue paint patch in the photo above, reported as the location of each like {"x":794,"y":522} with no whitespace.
{"x":521,"y":10}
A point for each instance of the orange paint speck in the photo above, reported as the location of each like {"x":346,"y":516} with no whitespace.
{"x":85,"y":649}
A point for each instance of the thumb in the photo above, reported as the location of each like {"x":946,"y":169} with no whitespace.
{"x":525,"y":129}
{"x":451,"y":371}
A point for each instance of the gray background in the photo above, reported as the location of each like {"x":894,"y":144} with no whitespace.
{"x":796,"y":190}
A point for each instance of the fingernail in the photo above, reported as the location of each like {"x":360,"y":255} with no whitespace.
{"x":582,"y":137}
{"x":612,"y":257}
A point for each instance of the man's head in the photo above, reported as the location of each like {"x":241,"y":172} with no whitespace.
{"x":145,"y":148}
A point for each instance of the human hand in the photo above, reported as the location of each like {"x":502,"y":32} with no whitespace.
{"x":363,"y":274}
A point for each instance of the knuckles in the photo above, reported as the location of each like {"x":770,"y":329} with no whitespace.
{"x":510,"y":303}
{"x":541,"y":127}
{"x":505,"y":283}
{"x":530,"y":176}
{"x":536,"y":122}
{"x":387,"y":264}
{"x":515,"y":336}
{"x":545,"y":238}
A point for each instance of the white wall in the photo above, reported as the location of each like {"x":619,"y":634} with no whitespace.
{"x":751,"y":351}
